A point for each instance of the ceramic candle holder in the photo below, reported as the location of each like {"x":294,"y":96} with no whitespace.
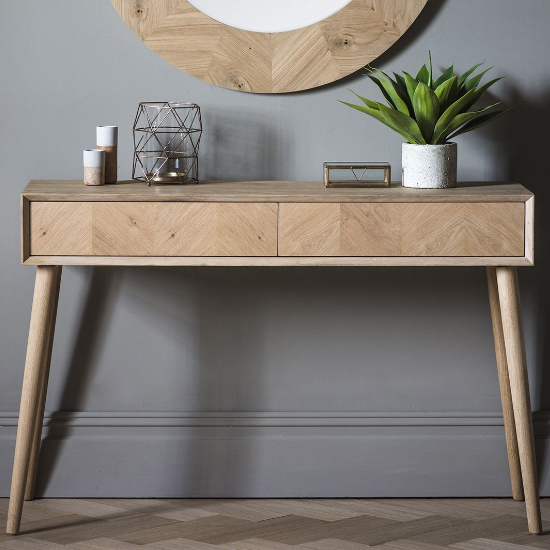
{"x":107,"y":140}
{"x":94,"y":167}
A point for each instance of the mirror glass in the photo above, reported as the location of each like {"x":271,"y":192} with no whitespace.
{"x":269,"y":15}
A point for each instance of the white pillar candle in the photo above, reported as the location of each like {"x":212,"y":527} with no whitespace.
{"x":107,"y":136}
{"x":107,"y":140}
{"x":94,"y":167}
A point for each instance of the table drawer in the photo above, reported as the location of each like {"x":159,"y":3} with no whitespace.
{"x":402,"y":229}
{"x":152,"y":229}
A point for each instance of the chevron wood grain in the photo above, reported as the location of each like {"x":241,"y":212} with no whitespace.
{"x":269,"y":62}
{"x":402,"y":229}
{"x":275,"y":223}
{"x":464,"y":230}
{"x":65,"y":227}
{"x":274,"y":524}
{"x":154,"y":229}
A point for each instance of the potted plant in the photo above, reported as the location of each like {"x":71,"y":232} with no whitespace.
{"x":429,"y":112}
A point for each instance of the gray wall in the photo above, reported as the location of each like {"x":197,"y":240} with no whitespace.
{"x":274,"y":381}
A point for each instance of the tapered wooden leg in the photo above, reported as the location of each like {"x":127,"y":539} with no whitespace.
{"x":517,"y":368}
{"x":37,"y":347}
{"x":37,"y":438}
{"x":505,"y":391}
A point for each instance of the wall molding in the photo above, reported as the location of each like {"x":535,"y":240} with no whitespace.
{"x":269,"y":419}
{"x":263,"y":454}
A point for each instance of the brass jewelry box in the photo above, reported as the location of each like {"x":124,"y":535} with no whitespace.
{"x":357,"y":174}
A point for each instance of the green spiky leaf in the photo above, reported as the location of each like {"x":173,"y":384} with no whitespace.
{"x":383,"y":90}
{"x":367,"y":102}
{"x":474,"y":82}
{"x":392,"y":93}
{"x":375,"y":113}
{"x":480,"y":121}
{"x":423,"y":75}
{"x":447,"y":93}
{"x":448,"y":74}
{"x":407,"y":124}
{"x":411,"y":84}
{"x":401,"y":87}
{"x":447,"y":117}
{"x":479,"y":93}
{"x":465,"y":76}
{"x":459,"y":121}
{"x":426,"y":110}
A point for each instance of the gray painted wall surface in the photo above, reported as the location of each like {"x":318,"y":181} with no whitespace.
{"x":367,"y":382}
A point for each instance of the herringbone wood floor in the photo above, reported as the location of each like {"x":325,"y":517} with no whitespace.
{"x":347,"y":524}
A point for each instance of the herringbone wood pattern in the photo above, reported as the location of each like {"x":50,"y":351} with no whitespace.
{"x":347,"y":524}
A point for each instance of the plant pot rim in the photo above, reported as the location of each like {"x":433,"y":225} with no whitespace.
{"x":449,"y":143}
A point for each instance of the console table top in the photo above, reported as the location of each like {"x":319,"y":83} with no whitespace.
{"x":268,"y":191}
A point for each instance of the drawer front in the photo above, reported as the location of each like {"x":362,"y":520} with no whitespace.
{"x":152,"y":229}
{"x":402,"y":229}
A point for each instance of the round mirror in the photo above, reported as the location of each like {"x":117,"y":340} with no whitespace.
{"x":269,"y":15}
{"x":269,"y":46}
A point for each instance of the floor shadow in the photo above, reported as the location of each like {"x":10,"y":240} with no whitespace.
{"x":86,"y":348}
{"x":224,"y":321}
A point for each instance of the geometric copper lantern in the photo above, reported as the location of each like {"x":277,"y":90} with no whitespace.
{"x":167,"y":136}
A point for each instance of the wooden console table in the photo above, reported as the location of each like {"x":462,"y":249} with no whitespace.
{"x":279,"y":224}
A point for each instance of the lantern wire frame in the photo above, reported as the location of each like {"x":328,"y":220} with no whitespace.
{"x":149,"y":127}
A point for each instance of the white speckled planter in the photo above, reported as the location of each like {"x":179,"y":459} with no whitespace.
{"x":429,"y":166}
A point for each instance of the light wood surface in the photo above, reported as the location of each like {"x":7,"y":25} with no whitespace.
{"x":504,"y":384}
{"x":402,"y":229}
{"x":47,"y":279}
{"x":269,"y":62}
{"x":37,"y":438}
{"x":61,"y":228}
{"x":111,"y":162}
{"x":25,"y":228}
{"x":274,"y":524}
{"x":271,"y":223}
{"x":153,"y":229}
{"x":268,"y":191}
{"x":517,"y":367}
{"x":530,"y":229}
{"x":279,"y":261}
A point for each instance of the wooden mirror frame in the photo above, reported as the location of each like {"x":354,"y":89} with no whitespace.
{"x":269,"y":62}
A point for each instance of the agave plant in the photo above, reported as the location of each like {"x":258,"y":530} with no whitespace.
{"x":425,"y":110}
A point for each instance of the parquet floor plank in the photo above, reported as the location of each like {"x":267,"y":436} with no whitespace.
{"x":486,"y":528}
{"x":30,"y":544}
{"x":408,"y":529}
{"x":333,"y":544}
{"x":377,"y":507}
{"x":455,"y":507}
{"x":278,"y":524}
{"x":252,"y":510}
{"x":409,"y":545}
{"x":486,"y":544}
{"x":542,"y":542}
{"x":259,"y":544}
{"x":103,"y":544}
{"x":343,"y":529}
{"x":315,"y":509}
{"x":99,"y":528}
